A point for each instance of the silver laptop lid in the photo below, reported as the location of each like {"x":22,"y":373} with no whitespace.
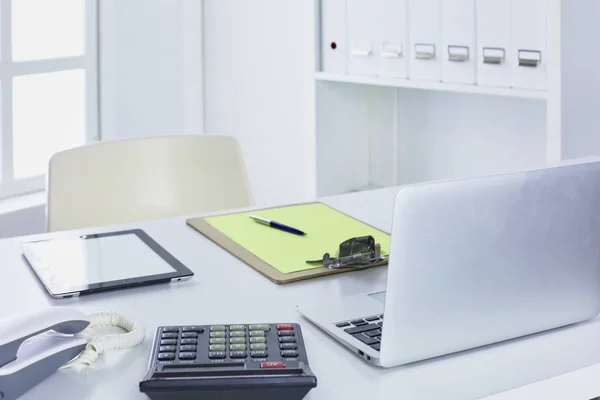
{"x":484,"y":260}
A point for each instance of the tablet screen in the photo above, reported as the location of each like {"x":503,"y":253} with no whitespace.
{"x":71,"y":264}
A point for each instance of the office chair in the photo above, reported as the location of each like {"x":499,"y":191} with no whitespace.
{"x":129,"y":180}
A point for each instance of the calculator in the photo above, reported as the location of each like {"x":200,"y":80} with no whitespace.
{"x":229,"y":362}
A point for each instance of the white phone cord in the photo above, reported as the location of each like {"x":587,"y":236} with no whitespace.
{"x":99,"y":344}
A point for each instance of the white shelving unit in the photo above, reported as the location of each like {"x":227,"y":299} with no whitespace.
{"x":373,"y":131}
{"x":436,"y":86}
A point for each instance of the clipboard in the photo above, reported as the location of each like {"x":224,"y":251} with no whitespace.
{"x":202,"y":226}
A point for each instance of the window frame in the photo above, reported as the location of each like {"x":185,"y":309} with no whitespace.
{"x":9,"y":186}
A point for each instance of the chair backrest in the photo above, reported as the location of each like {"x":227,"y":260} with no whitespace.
{"x":130,"y":180}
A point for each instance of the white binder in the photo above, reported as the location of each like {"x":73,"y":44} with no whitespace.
{"x":529,"y":44}
{"x":494,"y":56}
{"x":458,"y":41}
{"x":362,"y":36}
{"x":425,"y":40}
{"x":334,"y":45}
{"x":392,"y":43}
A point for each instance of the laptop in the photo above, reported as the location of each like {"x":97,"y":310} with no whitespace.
{"x":475,"y":262}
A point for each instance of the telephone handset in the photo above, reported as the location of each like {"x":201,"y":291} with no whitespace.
{"x":35,"y":345}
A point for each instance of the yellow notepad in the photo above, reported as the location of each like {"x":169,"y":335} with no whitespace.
{"x":325,"y":229}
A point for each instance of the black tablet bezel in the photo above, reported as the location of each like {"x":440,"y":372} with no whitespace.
{"x":181,"y":271}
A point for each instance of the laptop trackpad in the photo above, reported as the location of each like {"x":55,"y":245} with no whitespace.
{"x":379,"y":296}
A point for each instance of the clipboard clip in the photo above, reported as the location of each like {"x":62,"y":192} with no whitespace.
{"x":358,"y":252}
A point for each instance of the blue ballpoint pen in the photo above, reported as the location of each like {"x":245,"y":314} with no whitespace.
{"x":277,"y":225}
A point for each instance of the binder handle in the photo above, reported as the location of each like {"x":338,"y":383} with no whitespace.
{"x":530,"y":58}
{"x":391,"y":51}
{"x":424,"y":51}
{"x":361,"y":53}
{"x":458,"y":53}
{"x":362,"y":49}
{"x":493,"y":55}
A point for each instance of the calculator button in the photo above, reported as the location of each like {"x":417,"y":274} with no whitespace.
{"x":285,"y":333}
{"x":259,"y":354}
{"x":260,"y":327}
{"x":237,"y":327}
{"x":258,"y":346}
{"x":257,"y":333}
{"x":189,"y":335}
{"x":236,"y":334}
{"x":237,"y":340}
{"x":371,"y":319}
{"x":167,"y":349}
{"x":189,"y":341}
{"x":237,"y":347}
{"x":187,"y":356}
{"x":170,"y":329}
{"x":197,"y":329}
{"x":168,"y":342}
{"x":288,"y":346}
{"x":238,"y":354}
{"x":380,"y":324}
{"x":220,"y":340}
{"x":343,"y":324}
{"x":213,"y":355}
{"x":258,"y":339}
{"x":169,"y":335}
{"x":285,"y":327}
{"x":188,"y":347}
{"x":358,"y":322}
{"x":376,"y":346}
{"x":217,"y":328}
{"x":166,"y":356}
{"x":287,"y":339}
{"x":217,"y":334}
{"x":217,"y":347}
{"x":272,"y":364}
{"x":289,"y":353}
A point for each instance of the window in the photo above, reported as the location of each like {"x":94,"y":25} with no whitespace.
{"x":48,"y":86}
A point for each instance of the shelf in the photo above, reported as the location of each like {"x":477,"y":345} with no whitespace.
{"x":438,"y":86}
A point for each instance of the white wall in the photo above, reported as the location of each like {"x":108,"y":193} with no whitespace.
{"x":150,"y":67}
{"x":259,"y":64}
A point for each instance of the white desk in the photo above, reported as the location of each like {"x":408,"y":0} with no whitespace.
{"x":224,"y":290}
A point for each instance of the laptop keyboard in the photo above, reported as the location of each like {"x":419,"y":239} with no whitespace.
{"x":367,"y":330}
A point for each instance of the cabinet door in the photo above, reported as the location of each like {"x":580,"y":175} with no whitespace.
{"x":458,"y":41}
{"x":392,"y":38}
{"x":529,"y":44}
{"x":362,"y":36}
{"x":493,"y":37}
{"x":334,"y":46}
{"x":425,"y":39}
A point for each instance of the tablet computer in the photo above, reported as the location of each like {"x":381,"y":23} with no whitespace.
{"x":79,"y":265}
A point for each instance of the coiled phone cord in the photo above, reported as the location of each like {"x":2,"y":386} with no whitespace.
{"x":100,"y":344}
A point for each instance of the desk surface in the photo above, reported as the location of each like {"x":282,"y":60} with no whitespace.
{"x":224,"y":290}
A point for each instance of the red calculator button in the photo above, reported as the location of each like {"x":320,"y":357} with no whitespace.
{"x":285,"y":327}
{"x":272,"y":364}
